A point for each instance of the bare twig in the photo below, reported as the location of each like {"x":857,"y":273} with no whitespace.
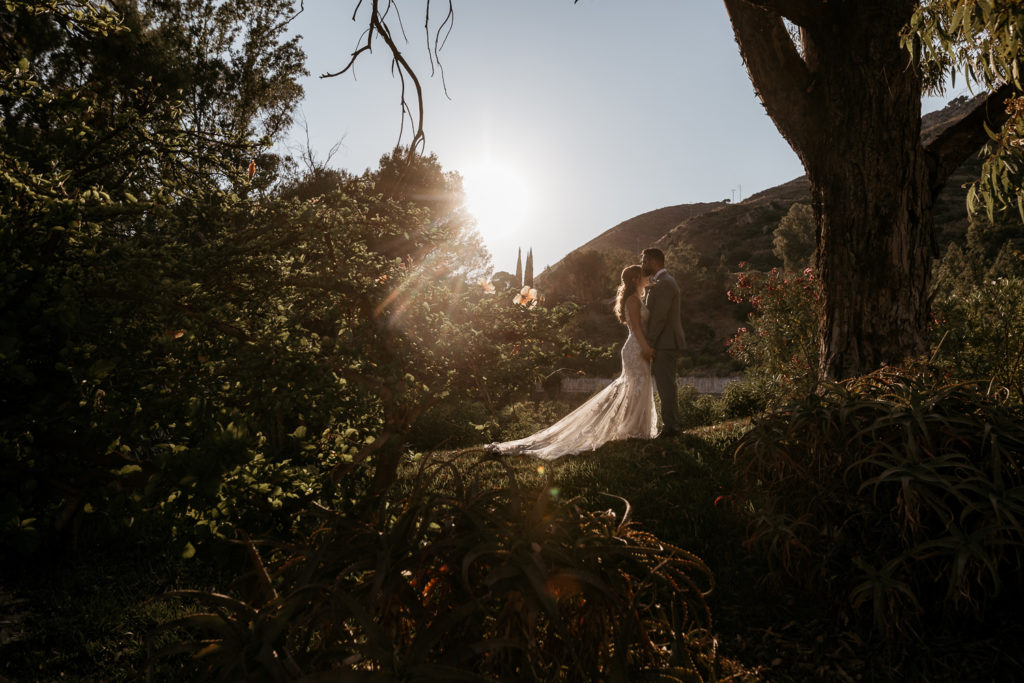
{"x":377,"y":26}
{"x":308,"y":155}
{"x":439,"y":42}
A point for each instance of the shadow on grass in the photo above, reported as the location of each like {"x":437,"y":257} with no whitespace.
{"x":85,"y":615}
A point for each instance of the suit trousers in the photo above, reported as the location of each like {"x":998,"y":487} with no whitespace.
{"x":663,"y":367}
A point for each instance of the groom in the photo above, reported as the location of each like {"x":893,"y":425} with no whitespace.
{"x":664,"y":334}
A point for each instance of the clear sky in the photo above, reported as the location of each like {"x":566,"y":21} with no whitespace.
{"x":564,"y":119}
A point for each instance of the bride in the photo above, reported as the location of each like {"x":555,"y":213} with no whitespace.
{"x":622,"y":410}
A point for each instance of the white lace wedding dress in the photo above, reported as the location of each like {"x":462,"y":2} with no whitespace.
{"x":622,"y":410}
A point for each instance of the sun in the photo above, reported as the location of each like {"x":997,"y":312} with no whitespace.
{"x":497,"y":196}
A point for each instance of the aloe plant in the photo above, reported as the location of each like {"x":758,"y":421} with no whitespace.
{"x":899,"y":496}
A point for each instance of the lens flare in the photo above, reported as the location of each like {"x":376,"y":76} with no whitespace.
{"x":498,"y":198}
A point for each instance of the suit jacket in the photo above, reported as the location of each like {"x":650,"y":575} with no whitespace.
{"x":664,"y":328}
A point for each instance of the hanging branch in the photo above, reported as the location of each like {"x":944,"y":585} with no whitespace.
{"x":378,"y":26}
{"x":449,"y":22}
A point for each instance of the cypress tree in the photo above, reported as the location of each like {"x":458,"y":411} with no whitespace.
{"x":519,"y":268}
{"x":528,"y":277}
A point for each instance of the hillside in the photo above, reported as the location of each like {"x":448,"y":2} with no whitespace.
{"x":738,"y":232}
{"x":641,"y":231}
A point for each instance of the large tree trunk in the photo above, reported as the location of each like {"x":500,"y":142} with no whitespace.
{"x":872,"y":198}
{"x":848,"y":100}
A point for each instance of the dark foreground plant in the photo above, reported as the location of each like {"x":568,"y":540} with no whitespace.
{"x":474,"y":583}
{"x":897,"y":496}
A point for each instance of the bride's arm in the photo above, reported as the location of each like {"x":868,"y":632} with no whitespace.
{"x":633,"y":321}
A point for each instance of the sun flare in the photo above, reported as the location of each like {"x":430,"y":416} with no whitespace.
{"x":497,"y":196}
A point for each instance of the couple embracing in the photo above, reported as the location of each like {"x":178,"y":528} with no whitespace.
{"x":647,"y":302}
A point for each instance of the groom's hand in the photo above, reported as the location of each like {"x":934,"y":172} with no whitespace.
{"x":649,"y":354}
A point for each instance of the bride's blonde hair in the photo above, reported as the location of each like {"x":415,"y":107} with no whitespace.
{"x":630,"y":279}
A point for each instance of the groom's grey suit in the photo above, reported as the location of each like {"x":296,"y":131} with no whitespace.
{"x":665,"y":334}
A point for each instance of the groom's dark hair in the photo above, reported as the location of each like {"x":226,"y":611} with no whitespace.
{"x":654,"y":254}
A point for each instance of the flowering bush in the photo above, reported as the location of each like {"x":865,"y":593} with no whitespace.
{"x":780,"y":343}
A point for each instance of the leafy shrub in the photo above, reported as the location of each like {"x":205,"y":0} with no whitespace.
{"x":452,"y":425}
{"x":780,"y":343}
{"x":695,"y":409}
{"x":743,"y":399}
{"x":793,"y":239}
{"x":894,"y":495}
{"x":738,"y":399}
{"x":977,"y":332}
{"x":478,"y":583}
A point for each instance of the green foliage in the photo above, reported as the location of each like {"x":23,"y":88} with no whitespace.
{"x":978,"y":334}
{"x":978,"y":307}
{"x":780,"y":344}
{"x":981,"y":39}
{"x":744,"y":399}
{"x":740,"y":399}
{"x":695,"y":409}
{"x":180,"y":338}
{"x":117,"y":208}
{"x":453,"y":425}
{"x":504,"y":282}
{"x":895,"y":497}
{"x":480,"y":583}
{"x":989,"y":251}
{"x":85,"y":617}
{"x":793,"y":241}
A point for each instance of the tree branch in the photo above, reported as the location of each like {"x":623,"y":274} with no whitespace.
{"x":800,"y":12}
{"x":439,"y":41}
{"x":378,"y":27}
{"x":951,"y":146}
{"x":780,"y":76}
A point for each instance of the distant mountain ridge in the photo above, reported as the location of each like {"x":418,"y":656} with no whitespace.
{"x":647,"y":228}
